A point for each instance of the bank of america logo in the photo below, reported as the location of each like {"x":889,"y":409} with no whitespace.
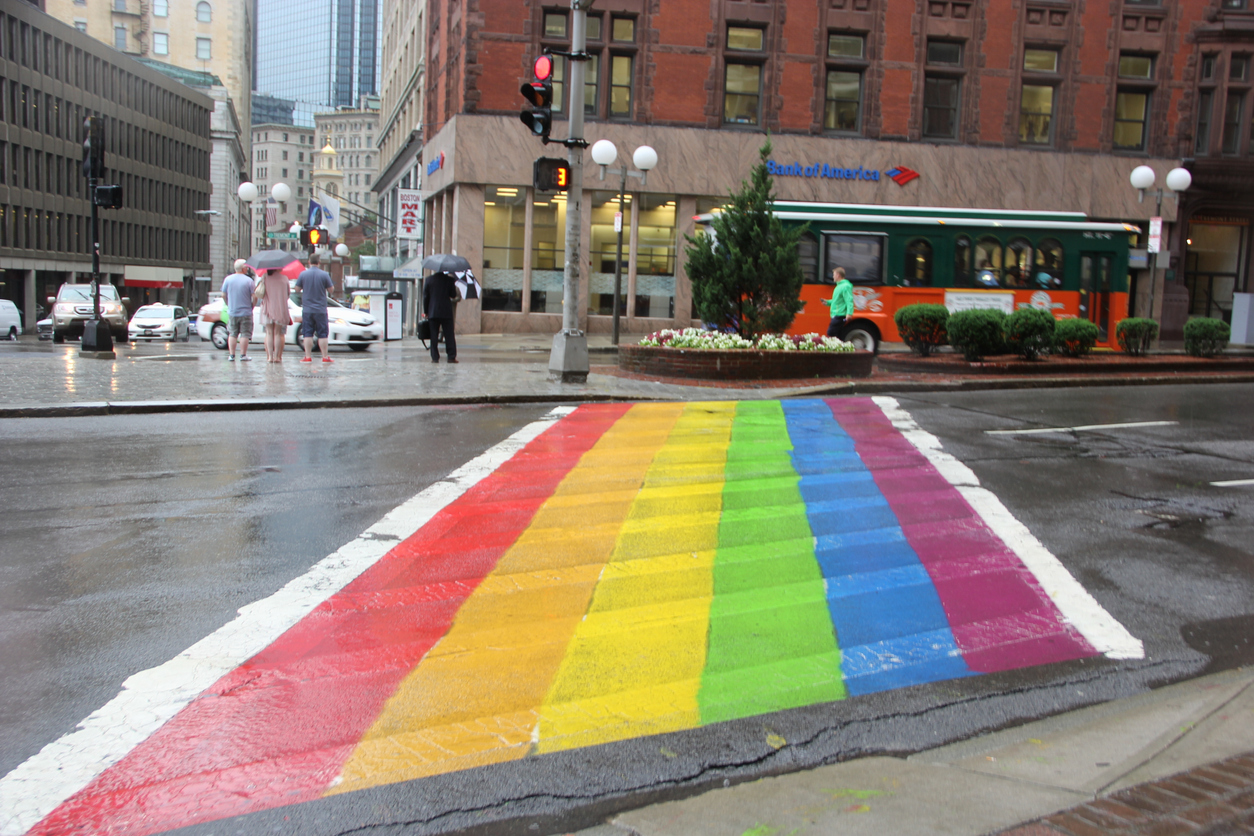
{"x":902,"y":175}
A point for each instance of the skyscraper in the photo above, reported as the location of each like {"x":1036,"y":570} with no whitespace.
{"x":319,"y":54}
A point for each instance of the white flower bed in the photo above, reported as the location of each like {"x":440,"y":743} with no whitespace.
{"x":714,"y":340}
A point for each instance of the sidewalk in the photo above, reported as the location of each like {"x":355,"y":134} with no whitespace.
{"x":1175,"y":760}
{"x":46,"y":380}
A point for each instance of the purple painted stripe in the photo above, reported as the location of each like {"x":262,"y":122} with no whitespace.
{"x":1000,"y":616}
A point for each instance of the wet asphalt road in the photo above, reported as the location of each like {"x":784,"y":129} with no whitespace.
{"x":108,"y":574}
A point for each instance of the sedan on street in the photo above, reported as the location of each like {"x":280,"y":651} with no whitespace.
{"x":159,"y":322}
{"x":355,"y":329}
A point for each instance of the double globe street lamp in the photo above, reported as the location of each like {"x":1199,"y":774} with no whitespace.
{"x":605,"y":153}
{"x":1142,"y":179}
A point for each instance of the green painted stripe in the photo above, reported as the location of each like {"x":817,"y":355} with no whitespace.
{"x":772,"y":645}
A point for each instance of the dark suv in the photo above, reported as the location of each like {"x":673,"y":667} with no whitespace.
{"x":73,"y":306}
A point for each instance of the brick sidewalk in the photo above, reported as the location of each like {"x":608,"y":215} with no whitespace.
{"x":1214,"y":799}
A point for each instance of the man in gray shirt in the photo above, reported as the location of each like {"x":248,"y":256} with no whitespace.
{"x":237,"y":292}
{"x":313,"y":285}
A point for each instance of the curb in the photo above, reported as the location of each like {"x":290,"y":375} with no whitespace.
{"x":97,"y":408}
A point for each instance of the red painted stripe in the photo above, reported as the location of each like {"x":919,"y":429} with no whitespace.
{"x":278,"y":729}
{"x":1000,"y":616}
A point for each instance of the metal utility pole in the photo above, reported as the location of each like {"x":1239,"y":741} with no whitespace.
{"x":97,"y":338}
{"x":568,"y":360}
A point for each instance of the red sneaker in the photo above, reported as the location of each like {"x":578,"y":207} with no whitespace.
{"x":306,"y":360}
{"x":327,"y":360}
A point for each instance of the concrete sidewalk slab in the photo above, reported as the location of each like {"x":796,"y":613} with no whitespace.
{"x":985,"y":784}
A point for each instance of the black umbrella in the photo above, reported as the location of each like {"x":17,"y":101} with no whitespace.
{"x":442,"y":263}
{"x":271,"y":259}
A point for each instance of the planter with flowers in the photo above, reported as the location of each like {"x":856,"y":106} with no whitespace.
{"x":711,"y":355}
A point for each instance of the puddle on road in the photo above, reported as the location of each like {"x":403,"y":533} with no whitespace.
{"x":1229,"y":642}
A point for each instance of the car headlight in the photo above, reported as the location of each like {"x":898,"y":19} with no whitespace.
{"x":64,"y":307}
{"x":111,"y":308}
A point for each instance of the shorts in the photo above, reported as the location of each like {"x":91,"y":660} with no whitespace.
{"x":241,"y":326}
{"x":314,"y":325}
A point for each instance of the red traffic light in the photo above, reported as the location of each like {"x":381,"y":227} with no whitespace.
{"x":543,"y":68}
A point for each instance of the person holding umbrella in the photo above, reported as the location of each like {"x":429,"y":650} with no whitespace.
{"x":274,"y":315}
{"x":438,"y":293}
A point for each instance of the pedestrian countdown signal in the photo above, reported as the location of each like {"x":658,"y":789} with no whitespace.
{"x":550,"y":175}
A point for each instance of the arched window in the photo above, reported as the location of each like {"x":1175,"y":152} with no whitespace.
{"x":808,"y":253}
{"x":204,"y":13}
{"x":1048,"y":271}
{"x":1018,"y":263}
{"x":988,"y":262}
{"x":918,"y":272}
{"x":962,"y":261}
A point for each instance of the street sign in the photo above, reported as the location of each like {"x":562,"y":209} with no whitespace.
{"x":289,"y":236}
{"x":1155,"y":235}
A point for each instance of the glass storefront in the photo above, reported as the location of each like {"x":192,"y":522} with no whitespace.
{"x":504,"y":244}
{"x":655,"y":256}
{"x":548,"y":252}
{"x":1214,"y":251}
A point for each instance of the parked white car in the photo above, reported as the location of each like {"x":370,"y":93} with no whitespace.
{"x":10,"y":320}
{"x":159,"y":322}
{"x":355,"y":329}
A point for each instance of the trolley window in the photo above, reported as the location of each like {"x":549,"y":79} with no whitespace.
{"x":918,"y":270}
{"x":1048,"y":273}
{"x":862,"y":256}
{"x":988,"y":262}
{"x":808,"y":253}
{"x":962,"y":261}
{"x":1018,"y":263}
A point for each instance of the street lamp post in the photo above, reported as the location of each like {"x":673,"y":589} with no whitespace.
{"x":248,"y":192}
{"x":1142,"y":178}
{"x":605,"y":153}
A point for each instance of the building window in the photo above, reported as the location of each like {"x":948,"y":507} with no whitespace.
{"x":1205,"y":104}
{"x":942,"y":93}
{"x":80,"y":25}
{"x":1036,"y":111}
{"x":160,"y":43}
{"x":1207,"y":71}
{"x":592,"y":28}
{"x":204,"y":13}
{"x":554,"y":25}
{"x":623,"y":30}
{"x":161,"y":8}
{"x":743,"y":39}
{"x":846,"y":46}
{"x":620,"y":86}
{"x":1136,"y":66}
{"x":1239,"y":68}
{"x":591,"y":85}
{"x":204,"y":49}
{"x":742,"y":92}
{"x":1232,"y":121}
{"x":843,"y":105}
{"x":119,"y":38}
{"x":1131,"y":115}
{"x":119,"y":5}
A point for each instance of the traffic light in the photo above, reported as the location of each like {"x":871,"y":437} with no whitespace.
{"x":93,"y":147}
{"x":539,"y":118}
{"x":550,"y":175}
{"x":313,"y":236}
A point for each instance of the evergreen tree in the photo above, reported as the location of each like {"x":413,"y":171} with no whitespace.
{"x":745,"y":271}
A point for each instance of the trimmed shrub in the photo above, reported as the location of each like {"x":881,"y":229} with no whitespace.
{"x":922,"y":327}
{"x":977,"y":333}
{"x":1206,"y":337}
{"x":1135,"y":335}
{"x":1074,"y":337}
{"x":1030,"y":332}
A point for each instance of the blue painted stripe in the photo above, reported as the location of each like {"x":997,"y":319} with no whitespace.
{"x":889,"y":622}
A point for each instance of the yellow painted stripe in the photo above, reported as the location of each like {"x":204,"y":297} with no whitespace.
{"x":634,"y":666}
{"x":475,"y":698}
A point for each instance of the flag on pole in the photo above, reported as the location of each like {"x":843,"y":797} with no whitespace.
{"x":331,"y":215}
{"x":272,"y":212}
{"x":315,"y":214}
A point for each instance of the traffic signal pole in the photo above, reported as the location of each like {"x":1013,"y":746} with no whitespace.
{"x":568,"y":360}
{"x":97,"y":339}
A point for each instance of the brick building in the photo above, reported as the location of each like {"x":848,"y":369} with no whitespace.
{"x":1015,"y":104}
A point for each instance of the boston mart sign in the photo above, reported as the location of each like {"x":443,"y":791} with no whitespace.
{"x":898,"y":174}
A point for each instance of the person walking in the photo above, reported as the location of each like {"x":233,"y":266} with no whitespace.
{"x":274,"y":314}
{"x":313,"y":285}
{"x":237,"y":292}
{"x":438,"y":293}
{"x":841,"y":303}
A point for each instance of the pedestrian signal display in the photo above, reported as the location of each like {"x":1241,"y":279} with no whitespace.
{"x":550,"y":175}
{"x":313,"y":237}
{"x":539,"y":93}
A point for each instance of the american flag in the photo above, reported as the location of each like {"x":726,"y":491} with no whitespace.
{"x":272,"y":212}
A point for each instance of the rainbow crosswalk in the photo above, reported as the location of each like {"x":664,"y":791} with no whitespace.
{"x":632,"y":570}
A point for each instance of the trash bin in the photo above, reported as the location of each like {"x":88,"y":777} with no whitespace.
{"x":394,"y":304}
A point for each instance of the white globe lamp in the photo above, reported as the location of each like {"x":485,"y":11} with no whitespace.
{"x":604,"y":152}
{"x":341,"y":250}
{"x":282,"y":192}
{"x":645,"y":158}
{"x":1142,"y":177}
{"x":1179,"y":179}
{"x":247,"y":192}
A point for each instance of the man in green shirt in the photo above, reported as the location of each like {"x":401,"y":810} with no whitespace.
{"x":841,"y":302}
